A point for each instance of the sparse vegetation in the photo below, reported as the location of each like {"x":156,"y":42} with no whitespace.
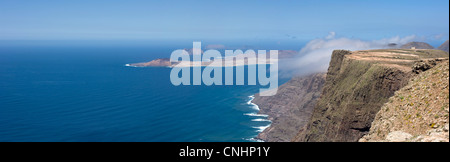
{"x":426,"y":109}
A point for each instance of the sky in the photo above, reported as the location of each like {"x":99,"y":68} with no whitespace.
{"x":221,"y":20}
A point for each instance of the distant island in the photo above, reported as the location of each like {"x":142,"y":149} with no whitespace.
{"x":162,"y":62}
{"x":165,"y":62}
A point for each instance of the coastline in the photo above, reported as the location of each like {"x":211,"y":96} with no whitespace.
{"x":262,"y":118}
{"x":290,"y":109}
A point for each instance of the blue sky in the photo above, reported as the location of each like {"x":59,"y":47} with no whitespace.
{"x":216,"y":20}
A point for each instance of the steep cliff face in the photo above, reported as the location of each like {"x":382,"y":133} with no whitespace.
{"x":417,"y":112}
{"x":291,"y":108}
{"x":357,"y":85}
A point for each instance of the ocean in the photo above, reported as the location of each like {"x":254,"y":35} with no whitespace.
{"x":85,"y":93}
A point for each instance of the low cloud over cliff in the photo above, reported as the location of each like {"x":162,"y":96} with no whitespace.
{"x":316,"y":55}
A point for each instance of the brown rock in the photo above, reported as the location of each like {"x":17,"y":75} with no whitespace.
{"x":292,"y":106}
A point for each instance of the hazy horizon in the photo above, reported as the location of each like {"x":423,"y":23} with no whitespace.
{"x":215,"y":21}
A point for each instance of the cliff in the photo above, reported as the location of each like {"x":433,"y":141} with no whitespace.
{"x":357,"y":85}
{"x":290,"y":109}
{"x":418,"y":112}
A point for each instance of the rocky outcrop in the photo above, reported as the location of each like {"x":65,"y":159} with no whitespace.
{"x":417,"y":45}
{"x":424,"y":65}
{"x":291,"y":108}
{"x":356,"y":87}
{"x":444,"y":46}
{"x":418,"y":112}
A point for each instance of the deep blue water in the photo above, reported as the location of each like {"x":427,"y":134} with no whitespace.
{"x":85,"y":93}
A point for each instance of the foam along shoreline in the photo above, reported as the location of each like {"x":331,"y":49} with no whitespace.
{"x":255,"y":114}
{"x":256,"y":107}
{"x":254,"y":140}
{"x":261,"y":128}
{"x":262,"y":120}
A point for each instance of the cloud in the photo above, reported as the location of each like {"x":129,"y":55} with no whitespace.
{"x":316,"y":54}
{"x":440,"y":36}
{"x":398,"y":40}
{"x":331,"y":35}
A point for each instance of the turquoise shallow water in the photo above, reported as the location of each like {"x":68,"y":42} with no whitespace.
{"x":85,"y":93}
